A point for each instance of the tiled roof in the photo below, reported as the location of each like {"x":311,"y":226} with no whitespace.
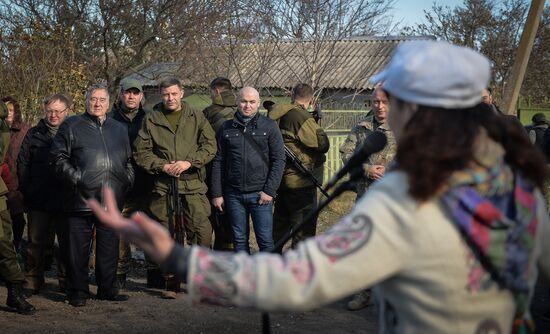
{"x":342,"y":64}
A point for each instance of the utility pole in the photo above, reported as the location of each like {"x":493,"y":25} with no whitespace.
{"x":513,"y":84}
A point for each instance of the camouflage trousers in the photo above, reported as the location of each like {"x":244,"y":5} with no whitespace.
{"x":196,"y":211}
{"x":10,"y":271}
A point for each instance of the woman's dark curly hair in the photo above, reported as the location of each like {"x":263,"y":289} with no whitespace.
{"x":436,"y":142}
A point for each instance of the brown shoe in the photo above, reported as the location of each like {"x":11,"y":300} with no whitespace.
{"x":166,"y":294}
{"x":359,"y":301}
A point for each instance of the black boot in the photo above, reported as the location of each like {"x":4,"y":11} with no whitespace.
{"x":155,"y":279}
{"x":16,"y":300}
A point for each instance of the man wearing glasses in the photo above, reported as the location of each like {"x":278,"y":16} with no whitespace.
{"x":42,"y":194}
{"x":89,"y":151}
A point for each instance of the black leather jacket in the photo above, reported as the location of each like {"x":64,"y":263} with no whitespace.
{"x":87,"y":155}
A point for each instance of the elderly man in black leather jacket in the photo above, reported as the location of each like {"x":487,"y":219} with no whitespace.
{"x":89,"y":151}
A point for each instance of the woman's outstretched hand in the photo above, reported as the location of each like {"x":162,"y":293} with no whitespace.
{"x":139,"y":229}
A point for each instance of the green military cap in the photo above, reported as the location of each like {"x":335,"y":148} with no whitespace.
{"x":129,"y":83}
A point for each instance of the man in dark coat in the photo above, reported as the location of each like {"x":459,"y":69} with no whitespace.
{"x":89,"y":151}
{"x":42,"y":194}
{"x":247,"y":171}
{"x":129,"y":111}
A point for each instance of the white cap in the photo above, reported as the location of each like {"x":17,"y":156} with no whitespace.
{"x":436,"y":74}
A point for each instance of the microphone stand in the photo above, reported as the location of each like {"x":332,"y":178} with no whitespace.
{"x":293,"y":230}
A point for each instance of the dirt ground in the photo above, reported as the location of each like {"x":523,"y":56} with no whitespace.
{"x":147,"y":312}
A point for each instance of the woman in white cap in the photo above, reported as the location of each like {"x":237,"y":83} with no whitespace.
{"x":451,"y":239}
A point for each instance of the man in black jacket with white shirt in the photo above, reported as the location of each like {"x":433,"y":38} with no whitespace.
{"x":89,"y":151}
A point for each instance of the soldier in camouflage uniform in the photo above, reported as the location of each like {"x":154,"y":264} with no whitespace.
{"x":297,"y":195}
{"x":10,"y":271}
{"x":176,"y":141}
{"x":223,"y":108}
{"x":376,"y":165}
{"x":378,"y":162}
{"x":223,"y":105}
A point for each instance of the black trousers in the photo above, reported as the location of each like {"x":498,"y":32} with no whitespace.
{"x":42,"y":228}
{"x":80,"y":239}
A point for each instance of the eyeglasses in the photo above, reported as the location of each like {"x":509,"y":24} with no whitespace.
{"x":55,"y":112}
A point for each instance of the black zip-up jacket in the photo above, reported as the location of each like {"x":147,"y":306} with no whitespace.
{"x":37,"y":180}
{"x":87,"y":155}
{"x":239,"y":165}
{"x":143,"y":181}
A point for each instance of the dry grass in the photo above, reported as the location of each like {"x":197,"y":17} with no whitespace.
{"x":328,"y":217}
{"x":336,"y":210}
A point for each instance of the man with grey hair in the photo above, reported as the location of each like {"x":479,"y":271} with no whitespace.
{"x":247,"y":171}
{"x":89,"y":151}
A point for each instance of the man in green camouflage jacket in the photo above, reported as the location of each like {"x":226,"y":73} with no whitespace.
{"x":376,"y":165}
{"x":223,"y":108}
{"x":297,"y":195}
{"x":176,"y":141}
{"x":378,"y":162}
{"x":223,"y":105}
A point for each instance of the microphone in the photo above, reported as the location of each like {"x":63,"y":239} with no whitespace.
{"x":374,"y":142}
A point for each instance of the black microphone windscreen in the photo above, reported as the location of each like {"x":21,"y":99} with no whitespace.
{"x":374,"y":142}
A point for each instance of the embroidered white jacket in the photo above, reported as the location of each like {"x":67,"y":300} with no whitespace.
{"x":425,"y":276}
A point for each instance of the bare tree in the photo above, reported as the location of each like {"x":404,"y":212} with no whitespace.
{"x":491,"y":27}
{"x":296,"y":35}
{"x":536,"y":85}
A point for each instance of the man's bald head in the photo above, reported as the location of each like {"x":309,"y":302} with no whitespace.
{"x":248,"y":101}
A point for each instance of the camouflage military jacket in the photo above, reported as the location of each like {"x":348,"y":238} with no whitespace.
{"x":222,"y":109}
{"x":356,"y":139}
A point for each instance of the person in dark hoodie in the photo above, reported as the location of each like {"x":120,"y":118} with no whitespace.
{"x":17,"y":131}
{"x":297,"y":195}
{"x":536,"y":129}
{"x":42,"y":196}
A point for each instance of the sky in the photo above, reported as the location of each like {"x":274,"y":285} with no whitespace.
{"x":411,"y":11}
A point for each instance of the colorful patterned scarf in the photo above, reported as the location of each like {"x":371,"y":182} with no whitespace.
{"x":496,"y":215}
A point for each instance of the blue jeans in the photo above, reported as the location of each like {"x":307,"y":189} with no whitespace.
{"x":239,"y":206}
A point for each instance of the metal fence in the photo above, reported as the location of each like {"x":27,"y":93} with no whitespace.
{"x":334,"y":163}
{"x":341,"y":120}
{"x":337,"y":124}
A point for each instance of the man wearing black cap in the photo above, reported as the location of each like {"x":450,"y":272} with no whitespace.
{"x":129,"y":111}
